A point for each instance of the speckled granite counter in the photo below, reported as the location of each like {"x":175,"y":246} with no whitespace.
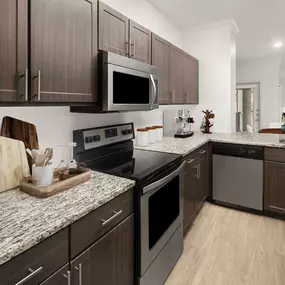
{"x":185,"y":146}
{"x":26,"y":221}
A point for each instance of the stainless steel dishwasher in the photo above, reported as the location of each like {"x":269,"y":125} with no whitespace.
{"x":238,"y":175}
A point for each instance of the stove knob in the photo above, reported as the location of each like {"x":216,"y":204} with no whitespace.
{"x":98,"y":138}
{"x":87,"y":140}
{"x":91,"y":139}
{"x":130,"y":132}
{"x":94,"y":138}
{"x":124,"y":132}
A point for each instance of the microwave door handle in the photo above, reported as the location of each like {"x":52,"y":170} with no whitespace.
{"x":164,"y":180}
{"x":154,"y":88}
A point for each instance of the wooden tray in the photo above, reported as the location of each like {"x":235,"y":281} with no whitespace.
{"x":58,"y":186}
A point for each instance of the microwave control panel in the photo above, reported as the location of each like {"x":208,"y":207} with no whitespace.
{"x":98,"y":137}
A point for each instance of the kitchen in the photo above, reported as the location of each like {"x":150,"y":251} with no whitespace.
{"x":68,"y":225}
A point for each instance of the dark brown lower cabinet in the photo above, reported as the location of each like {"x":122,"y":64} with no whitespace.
{"x":196,"y":184}
{"x":108,"y":261}
{"x":274,"y":191}
{"x":189,"y":186}
{"x":61,"y":277}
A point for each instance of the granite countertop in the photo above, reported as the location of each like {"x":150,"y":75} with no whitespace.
{"x":185,"y":146}
{"x":25,"y":220}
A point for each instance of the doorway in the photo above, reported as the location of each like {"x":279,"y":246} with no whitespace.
{"x":247,"y":107}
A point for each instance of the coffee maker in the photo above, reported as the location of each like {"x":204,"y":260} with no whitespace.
{"x":183,"y":123}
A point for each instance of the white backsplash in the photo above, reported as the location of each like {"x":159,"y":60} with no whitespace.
{"x":55,"y":124}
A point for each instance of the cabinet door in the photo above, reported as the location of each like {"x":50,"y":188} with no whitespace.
{"x":63,"y":50}
{"x":140,"y":42}
{"x":13,"y":50}
{"x":176,"y":76}
{"x":274,"y":196}
{"x":61,"y":277}
{"x":161,"y":57}
{"x":191,"y":79}
{"x":189,"y":190}
{"x":110,"y":260}
{"x":204,"y":177}
{"x":113,"y":30}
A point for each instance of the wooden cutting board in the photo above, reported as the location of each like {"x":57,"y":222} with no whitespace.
{"x":13,"y":163}
{"x":22,"y":131}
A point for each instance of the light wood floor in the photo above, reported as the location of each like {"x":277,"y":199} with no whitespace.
{"x":229,"y":247}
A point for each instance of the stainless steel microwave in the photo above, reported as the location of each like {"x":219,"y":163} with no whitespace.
{"x":127,"y":84}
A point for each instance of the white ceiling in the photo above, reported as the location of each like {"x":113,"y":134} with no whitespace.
{"x":261,"y":22}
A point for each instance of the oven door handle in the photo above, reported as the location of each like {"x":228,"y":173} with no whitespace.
{"x":164,"y":180}
{"x":154,"y":89}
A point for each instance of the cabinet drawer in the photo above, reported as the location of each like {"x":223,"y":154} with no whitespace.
{"x":274,"y":154}
{"x":44,"y":259}
{"x":87,"y":230}
{"x":197,"y":154}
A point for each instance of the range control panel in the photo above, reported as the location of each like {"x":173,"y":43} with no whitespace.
{"x":107,"y":135}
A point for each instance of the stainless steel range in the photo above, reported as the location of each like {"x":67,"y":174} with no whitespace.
{"x":158,"y":195}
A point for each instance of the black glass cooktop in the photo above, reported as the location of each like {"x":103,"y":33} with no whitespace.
{"x":135,"y":164}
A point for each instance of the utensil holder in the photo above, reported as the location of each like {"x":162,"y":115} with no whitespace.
{"x":42,"y":176}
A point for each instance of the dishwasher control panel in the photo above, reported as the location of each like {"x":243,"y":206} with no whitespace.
{"x":244,"y":151}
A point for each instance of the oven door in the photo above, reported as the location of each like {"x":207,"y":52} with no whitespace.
{"x":127,"y":89}
{"x":161,"y":215}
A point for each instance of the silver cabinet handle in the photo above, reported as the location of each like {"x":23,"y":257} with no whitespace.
{"x":197,"y":171}
{"x":189,"y":161}
{"x":25,"y":74}
{"x":128,"y":49}
{"x":203,"y":151}
{"x":173,"y":96}
{"x":68,"y":277}
{"x":134,"y":45}
{"x":79,"y":268}
{"x":116,"y":214}
{"x":32,"y":274}
{"x":38,"y":95}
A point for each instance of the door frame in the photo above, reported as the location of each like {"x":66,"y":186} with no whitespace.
{"x":256,"y":87}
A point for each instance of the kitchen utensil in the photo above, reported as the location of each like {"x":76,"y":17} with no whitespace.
{"x":42,"y":175}
{"x":13,"y":163}
{"x":49,"y":156}
{"x":23,"y":131}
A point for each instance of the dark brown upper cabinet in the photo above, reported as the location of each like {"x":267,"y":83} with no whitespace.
{"x":13,"y":51}
{"x":191,"y":79}
{"x":140,"y":43}
{"x":120,"y":35}
{"x":113,"y":30}
{"x":161,"y":55}
{"x":63,"y":50}
{"x":176,"y":76}
{"x":108,"y":261}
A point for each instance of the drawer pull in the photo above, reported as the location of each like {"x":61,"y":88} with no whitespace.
{"x":189,"y":161}
{"x":32,"y":274}
{"x":79,"y":268}
{"x":68,"y":277}
{"x":116,"y":214}
{"x":203,"y":151}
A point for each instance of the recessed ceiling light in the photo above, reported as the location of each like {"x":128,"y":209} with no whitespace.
{"x":278,"y":45}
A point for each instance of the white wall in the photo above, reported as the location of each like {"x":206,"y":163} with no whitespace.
{"x":266,"y":72}
{"x":55,"y":124}
{"x":214,"y":46}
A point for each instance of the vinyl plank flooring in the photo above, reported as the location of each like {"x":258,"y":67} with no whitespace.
{"x":230,"y":247}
